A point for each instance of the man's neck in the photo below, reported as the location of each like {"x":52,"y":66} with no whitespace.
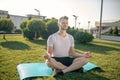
{"x":62,"y":33}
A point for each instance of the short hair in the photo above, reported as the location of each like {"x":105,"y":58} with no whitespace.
{"x":63,"y":17}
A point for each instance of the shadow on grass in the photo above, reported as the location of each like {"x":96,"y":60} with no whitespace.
{"x":40,"y":42}
{"x":15,"y":45}
{"x":95,"y":48}
{"x":82,"y":76}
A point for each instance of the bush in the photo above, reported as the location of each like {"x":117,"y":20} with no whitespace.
{"x":115,"y":31}
{"x":6,"y":25}
{"x":23,"y":25}
{"x":83,"y":37}
{"x":72,"y":31}
{"x":28,"y":34}
{"x":110,"y":31}
{"x":33,"y":29}
{"x":52,"y":26}
{"x":18,"y":31}
{"x":45,"y":34}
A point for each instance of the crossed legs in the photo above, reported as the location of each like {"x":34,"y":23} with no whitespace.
{"x":77,"y":63}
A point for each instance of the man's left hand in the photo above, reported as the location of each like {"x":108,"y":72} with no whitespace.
{"x":88,"y":54}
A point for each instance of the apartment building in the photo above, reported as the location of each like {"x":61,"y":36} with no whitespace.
{"x":105,"y":26}
{"x":17,"y":19}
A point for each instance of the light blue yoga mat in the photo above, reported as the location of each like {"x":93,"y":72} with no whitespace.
{"x":27,"y":70}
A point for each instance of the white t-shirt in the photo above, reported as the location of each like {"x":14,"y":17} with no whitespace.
{"x":61,"y":45}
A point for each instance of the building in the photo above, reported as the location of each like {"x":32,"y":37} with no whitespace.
{"x":36,"y":16}
{"x":105,"y":26}
{"x":17,"y":19}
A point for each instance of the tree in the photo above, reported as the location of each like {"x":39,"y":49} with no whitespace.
{"x":33,"y":28}
{"x":115,"y":31}
{"x":6,"y":25}
{"x":23,"y":24}
{"x":29,"y":18}
{"x":8,"y":16}
{"x":52,"y":26}
{"x":110,"y":31}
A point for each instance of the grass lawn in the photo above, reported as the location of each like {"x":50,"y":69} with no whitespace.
{"x":17,"y":50}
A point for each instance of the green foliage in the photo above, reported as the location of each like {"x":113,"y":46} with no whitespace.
{"x":6,"y":25}
{"x":23,"y":25}
{"x":45,"y":34}
{"x":8,"y":16}
{"x":29,"y":18}
{"x":36,"y":25}
{"x":83,"y":37}
{"x":18,"y":31}
{"x":36,"y":28}
{"x":72,"y":31}
{"x":28,"y":34}
{"x":33,"y":29}
{"x":115,"y":31}
{"x":80,"y":36}
{"x":52,"y":26}
{"x":110,"y":31}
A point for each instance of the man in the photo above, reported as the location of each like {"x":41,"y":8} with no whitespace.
{"x":61,"y":55}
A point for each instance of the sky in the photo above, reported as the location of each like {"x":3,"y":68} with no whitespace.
{"x":86,"y":10}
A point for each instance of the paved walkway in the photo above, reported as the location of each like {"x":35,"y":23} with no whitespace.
{"x":113,"y":38}
{"x":11,"y":34}
{"x":106,"y":37}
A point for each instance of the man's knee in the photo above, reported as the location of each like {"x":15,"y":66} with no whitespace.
{"x":50,"y":62}
{"x":85,"y":60}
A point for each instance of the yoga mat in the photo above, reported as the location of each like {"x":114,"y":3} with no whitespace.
{"x":27,"y":70}
{"x":90,"y":66}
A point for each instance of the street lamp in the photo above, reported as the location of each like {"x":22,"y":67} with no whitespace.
{"x":38,"y":12}
{"x":79,"y":24}
{"x":88,"y":26}
{"x":100,"y":19}
{"x":75,"y":19}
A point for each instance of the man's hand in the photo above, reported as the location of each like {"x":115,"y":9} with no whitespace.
{"x":88,"y":54}
{"x":47,"y":56}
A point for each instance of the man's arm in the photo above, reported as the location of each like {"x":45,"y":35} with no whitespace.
{"x":75,"y":54}
{"x":49,"y":52}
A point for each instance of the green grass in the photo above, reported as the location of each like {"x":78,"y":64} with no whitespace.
{"x":17,"y":50}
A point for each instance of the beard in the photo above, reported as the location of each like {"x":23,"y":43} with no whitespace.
{"x":64,"y":28}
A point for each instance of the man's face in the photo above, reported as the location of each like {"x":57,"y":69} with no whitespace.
{"x":63,"y":24}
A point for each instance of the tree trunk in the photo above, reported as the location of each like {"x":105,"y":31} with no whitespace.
{"x":4,"y":37}
{"x":35,"y":37}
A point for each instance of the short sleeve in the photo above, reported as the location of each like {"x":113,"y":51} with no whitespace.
{"x":50,"y":41}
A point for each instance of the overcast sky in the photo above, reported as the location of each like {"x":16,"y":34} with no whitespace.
{"x":86,"y":10}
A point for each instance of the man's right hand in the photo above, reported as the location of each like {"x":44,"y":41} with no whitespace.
{"x":47,"y":56}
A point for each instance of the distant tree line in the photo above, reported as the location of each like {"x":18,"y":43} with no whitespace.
{"x":33,"y":29}
{"x":114,"y":31}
